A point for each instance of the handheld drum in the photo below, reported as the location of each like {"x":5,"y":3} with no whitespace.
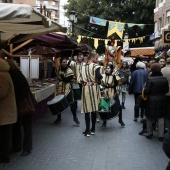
{"x":58,"y":104}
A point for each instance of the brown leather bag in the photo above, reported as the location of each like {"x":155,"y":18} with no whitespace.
{"x":27,"y":105}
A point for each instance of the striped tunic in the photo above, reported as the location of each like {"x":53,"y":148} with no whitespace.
{"x":64,"y":87}
{"x":76,"y":68}
{"x":90,"y":97}
{"x":108,"y":83}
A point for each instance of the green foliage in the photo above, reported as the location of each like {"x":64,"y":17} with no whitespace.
{"x":128,"y":11}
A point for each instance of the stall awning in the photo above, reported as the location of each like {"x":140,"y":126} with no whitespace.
{"x":146,"y":51}
{"x":57,"y":40}
{"x":17,"y":19}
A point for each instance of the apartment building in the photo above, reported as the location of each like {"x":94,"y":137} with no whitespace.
{"x":54,"y":6}
{"x":162,"y":22}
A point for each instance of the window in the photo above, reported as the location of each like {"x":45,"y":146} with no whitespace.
{"x":160,"y":24}
{"x":156,"y":26}
{"x":46,"y":3}
{"x":168,"y":17}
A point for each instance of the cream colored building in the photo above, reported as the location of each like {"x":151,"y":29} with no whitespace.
{"x":162,"y":22}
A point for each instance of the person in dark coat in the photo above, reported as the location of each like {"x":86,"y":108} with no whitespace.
{"x":166,"y":147}
{"x":155,"y":89}
{"x":22,"y":89}
{"x":137,"y":81}
{"x":8,"y":114}
{"x":165,"y":71}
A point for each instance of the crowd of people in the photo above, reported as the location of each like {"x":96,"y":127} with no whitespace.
{"x":148,"y":82}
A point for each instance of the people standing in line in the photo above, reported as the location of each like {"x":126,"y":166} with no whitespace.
{"x":22,"y":89}
{"x":137,"y":81}
{"x":90,"y":98}
{"x":155,"y":89}
{"x":125,"y":73}
{"x":65,"y":78}
{"x":166,"y":73}
{"x":8,"y":112}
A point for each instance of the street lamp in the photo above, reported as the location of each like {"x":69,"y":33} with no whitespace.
{"x":126,"y":43}
{"x":73,"y":18}
{"x":126,"y":36}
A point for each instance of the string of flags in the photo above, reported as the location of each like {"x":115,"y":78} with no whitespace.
{"x":96,"y":40}
{"x":114,"y":27}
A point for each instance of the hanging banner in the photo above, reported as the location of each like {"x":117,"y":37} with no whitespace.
{"x":132,"y":24}
{"x":98,"y":21}
{"x":116,"y":27}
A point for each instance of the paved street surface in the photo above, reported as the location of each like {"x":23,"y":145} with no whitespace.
{"x":63,"y":147}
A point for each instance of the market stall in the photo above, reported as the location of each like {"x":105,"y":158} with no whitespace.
{"x":43,"y":92}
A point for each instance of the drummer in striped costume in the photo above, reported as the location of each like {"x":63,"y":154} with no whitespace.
{"x":89,"y":76}
{"x":109,"y":84}
{"x":116,"y":98}
{"x":64,"y":86}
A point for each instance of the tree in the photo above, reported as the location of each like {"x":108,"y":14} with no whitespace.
{"x":128,"y":11}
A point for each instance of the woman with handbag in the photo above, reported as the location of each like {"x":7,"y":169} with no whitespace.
{"x":22,"y":90}
{"x":155,"y":89}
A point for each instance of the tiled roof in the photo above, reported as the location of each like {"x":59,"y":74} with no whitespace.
{"x":144,"y":52}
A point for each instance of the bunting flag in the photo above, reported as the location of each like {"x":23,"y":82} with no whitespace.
{"x":116,"y":27}
{"x":132,"y":24}
{"x":98,"y":21}
{"x":96,"y":42}
{"x":79,"y":39}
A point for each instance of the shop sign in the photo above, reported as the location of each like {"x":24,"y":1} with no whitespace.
{"x":166,"y":37}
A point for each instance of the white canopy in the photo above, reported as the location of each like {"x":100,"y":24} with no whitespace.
{"x":10,"y":11}
{"x":18,"y":19}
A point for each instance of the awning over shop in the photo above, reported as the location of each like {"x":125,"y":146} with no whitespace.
{"x":57,"y":40}
{"x":145,"y":51}
{"x":17,"y":19}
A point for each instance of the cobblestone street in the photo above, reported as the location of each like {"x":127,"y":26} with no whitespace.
{"x":63,"y":147}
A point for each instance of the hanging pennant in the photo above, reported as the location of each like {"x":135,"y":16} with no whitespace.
{"x":96,"y":42}
{"x":98,"y":21}
{"x":115,"y":27}
{"x":79,"y":39}
{"x":133,"y":24}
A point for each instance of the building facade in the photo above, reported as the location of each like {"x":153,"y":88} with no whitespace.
{"x":55,"y":8}
{"x":162,"y":23}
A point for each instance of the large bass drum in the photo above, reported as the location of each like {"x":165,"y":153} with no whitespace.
{"x":58,"y":104}
{"x":108,"y":109}
{"x":70,"y":97}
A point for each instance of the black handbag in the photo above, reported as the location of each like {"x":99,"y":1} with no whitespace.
{"x":140,"y":103}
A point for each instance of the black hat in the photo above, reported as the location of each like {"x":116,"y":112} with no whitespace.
{"x":79,"y":54}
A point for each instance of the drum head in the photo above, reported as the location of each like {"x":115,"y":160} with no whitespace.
{"x":56,"y":99}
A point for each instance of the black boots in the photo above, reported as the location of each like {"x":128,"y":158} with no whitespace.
{"x":123,"y":105}
{"x":144,"y":128}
